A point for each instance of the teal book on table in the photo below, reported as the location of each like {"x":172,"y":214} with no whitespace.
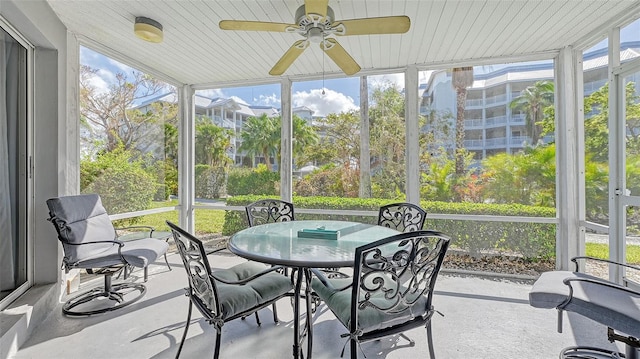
{"x":319,"y":233}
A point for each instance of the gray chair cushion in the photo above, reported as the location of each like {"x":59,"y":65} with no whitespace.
{"x":368,"y":318}
{"x":138,"y":253}
{"x":235,"y":298}
{"x":612,"y":307}
{"x":84,"y":219}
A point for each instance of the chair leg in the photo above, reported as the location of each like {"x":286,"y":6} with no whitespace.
{"x":216,"y":351}
{"x":167,"y":261}
{"x":186,"y":329}
{"x":258,"y":319}
{"x":165,"y":255}
{"x":432,"y":354}
{"x":275,"y":313}
{"x":146,"y":273}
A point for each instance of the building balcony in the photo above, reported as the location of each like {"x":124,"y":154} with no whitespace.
{"x":476,"y":102}
{"x":473,"y":123}
{"x":496,"y":99}
{"x":519,"y":119}
{"x":496,"y":121}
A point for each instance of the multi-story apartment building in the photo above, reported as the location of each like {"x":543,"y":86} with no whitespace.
{"x":491,"y":126}
{"x":230,"y":114}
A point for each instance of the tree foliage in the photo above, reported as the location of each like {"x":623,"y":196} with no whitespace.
{"x":124,"y":184}
{"x":388,"y":144}
{"x":341,"y":143}
{"x":532,"y":101}
{"x":111,"y":115}
{"x":526,"y":177}
{"x":212,"y":143}
{"x":260,"y":137}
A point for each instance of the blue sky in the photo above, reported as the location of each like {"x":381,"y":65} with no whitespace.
{"x":340,"y":94}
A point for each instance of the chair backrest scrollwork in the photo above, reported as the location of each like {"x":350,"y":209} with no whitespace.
{"x":269,"y":211}
{"x":396,"y":277}
{"x":202,"y":287}
{"x":405,"y":217}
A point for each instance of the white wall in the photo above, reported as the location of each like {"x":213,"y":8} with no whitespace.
{"x":53,"y":148}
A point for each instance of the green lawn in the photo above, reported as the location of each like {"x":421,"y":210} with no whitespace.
{"x":207,"y":221}
{"x":599,"y":250}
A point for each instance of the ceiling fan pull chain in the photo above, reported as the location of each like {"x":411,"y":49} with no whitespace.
{"x":323,"y":73}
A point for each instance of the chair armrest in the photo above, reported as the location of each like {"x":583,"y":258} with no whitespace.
{"x":248,"y":279}
{"x":115,"y":241}
{"x":575,"y":260}
{"x":150,"y":229}
{"x":601,"y":282}
{"x":323,"y":279}
{"x":595,"y":281}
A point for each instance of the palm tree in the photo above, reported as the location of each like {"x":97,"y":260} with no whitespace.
{"x":261,"y":137}
{"x":304,"y":135}
{"x":212,"y":143}
{"x":532,"y":101}
{"x":461,"y":78}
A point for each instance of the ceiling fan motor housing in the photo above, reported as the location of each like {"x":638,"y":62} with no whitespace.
{"x":308,"y":22}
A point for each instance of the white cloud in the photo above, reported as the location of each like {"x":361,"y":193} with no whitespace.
{"x":102,"y":80}
{"x":268,"y":100}
{"x":211,"y":93}
{"x":323,"y":104}
{"x":385,"y":80}
{"x":120,"y":66}
{"x":238,"y":99}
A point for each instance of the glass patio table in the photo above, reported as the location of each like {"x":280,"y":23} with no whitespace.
{"x":281,"y":244}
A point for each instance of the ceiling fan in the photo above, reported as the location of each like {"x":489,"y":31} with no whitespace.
{"x":315,"y":21}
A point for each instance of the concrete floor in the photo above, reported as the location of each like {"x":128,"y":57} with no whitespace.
{"x":483,"y":318}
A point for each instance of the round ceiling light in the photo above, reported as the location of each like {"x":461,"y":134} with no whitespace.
{"x":148,"y":29}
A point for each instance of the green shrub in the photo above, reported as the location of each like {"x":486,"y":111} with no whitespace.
{"x":170,"y":179}
{"x":122,"y":183}
{"x":529,"y":240}
{"x":259,"y":181}
{"x":210,"y":182}
{"x":166,"y":177}
{"x":330,"y":181}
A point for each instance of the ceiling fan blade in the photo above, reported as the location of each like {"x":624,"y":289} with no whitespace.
{"x":289,"y":57}
{"x":340,"y":56}
{"x":253,"y":25}
{"x":318,"y":7}
{"x":372,"y":25}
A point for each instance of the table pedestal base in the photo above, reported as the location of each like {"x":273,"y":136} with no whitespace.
{"x":300,"y":275}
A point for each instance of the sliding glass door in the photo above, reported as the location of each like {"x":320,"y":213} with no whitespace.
{"x":14,"y":156}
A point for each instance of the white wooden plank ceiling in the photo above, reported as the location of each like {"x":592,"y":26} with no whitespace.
{"x":195,"y":51}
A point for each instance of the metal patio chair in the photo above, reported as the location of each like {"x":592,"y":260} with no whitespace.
{"x":225,"y":294}
{"x":605,"y":302}
{"x":90,"y":242}
{"x":269,"y":211}
{"x":391,"y":290}
{"x":403,"y":216}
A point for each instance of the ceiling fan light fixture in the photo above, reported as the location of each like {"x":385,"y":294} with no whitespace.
{"x":315,"y":35}
{"x":148,"y":29}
